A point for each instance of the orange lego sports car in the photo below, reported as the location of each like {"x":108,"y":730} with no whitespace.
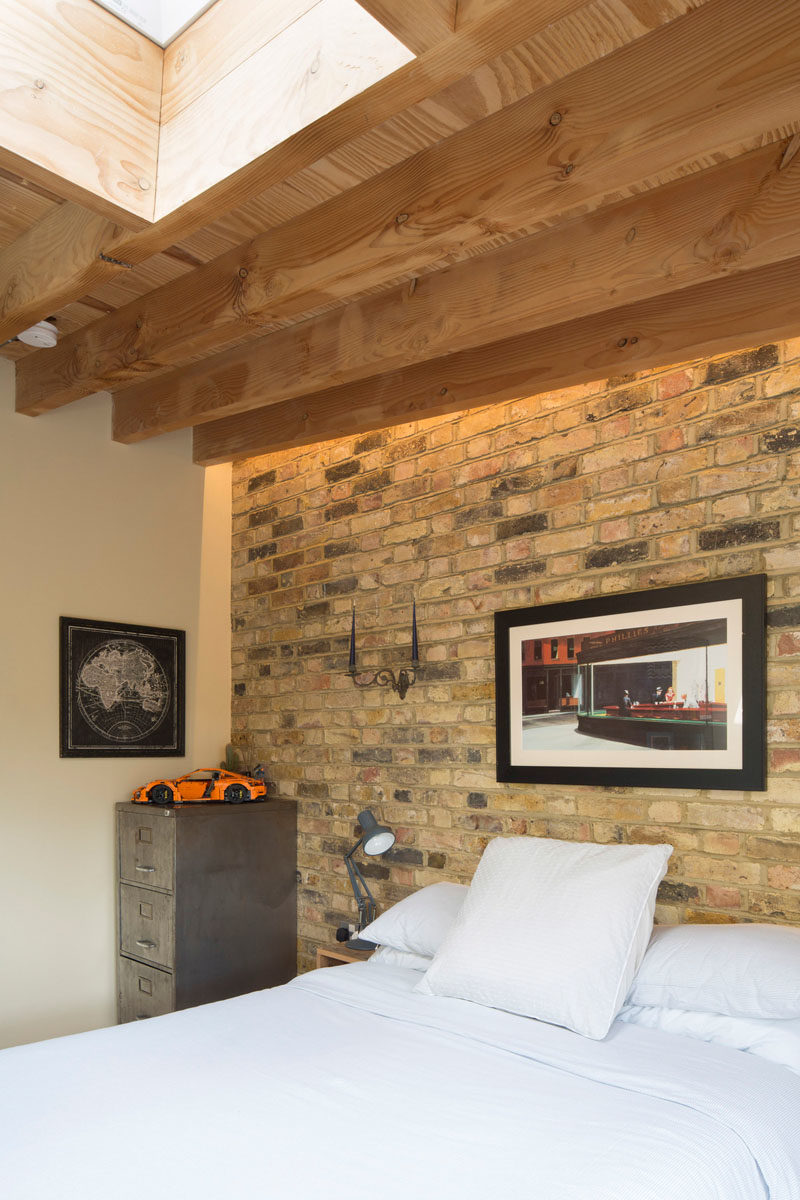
{"x":206,"y":783}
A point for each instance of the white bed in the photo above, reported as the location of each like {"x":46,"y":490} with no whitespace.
{"x":346,"y":1081}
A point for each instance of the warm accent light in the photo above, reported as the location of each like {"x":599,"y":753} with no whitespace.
{"x":385,"y":676}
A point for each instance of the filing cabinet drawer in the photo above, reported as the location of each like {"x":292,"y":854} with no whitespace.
{"x":146,"y":924}
{"x":144,"y":991}
{"x":147,"y":848}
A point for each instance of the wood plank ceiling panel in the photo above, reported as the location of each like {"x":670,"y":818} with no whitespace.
{"x":79,"y":105}
{"x":20,"y":208}
{"x":128,"y":286}
{"x":219,"y":40}
{"x":420,"y":25}
{"x":330,"y":53}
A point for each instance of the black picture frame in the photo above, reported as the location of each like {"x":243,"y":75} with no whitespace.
{"x":564,"y":717}
{"x":121,"y":690}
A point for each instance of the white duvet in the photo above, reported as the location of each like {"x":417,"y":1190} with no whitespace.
{"x":346,"y":1081}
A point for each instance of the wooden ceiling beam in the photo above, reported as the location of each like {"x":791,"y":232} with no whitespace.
{"x":419,"y":24}
{"x":473,"y":10}
{"x":738,"y":216}
{"x":611,"y":125}
{"x":79,"y":106}
{"x":41,"y":271}
{"x":713,"y":318}
{"x":506,"y":26}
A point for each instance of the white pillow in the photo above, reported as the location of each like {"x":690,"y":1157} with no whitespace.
{"x":400,"y":958}
{"x":420,"y":922}
{"x":778,"y":1041}
{"x":741,"y":970}
{"x":553,"y":930}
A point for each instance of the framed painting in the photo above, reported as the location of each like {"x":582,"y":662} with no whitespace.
{"x":122,"y":690}
{"x":663,"y":688}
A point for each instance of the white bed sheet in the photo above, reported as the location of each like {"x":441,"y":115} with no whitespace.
{"x":346,"y":1080}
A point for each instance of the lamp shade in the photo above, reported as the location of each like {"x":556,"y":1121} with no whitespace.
{"x":377,"y":838}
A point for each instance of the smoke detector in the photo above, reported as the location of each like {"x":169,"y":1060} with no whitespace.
{"x":42,"y":335}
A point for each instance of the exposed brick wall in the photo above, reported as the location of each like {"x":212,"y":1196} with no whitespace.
{"x":669,"y":477}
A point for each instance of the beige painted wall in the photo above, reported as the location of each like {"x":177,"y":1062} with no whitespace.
{"x":89,"y":528}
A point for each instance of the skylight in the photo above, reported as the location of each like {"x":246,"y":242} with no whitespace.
{"x":174,"y":121}
{"x":159,"y":20}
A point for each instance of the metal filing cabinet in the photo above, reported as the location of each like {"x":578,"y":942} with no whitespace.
{"x":207,"y":903}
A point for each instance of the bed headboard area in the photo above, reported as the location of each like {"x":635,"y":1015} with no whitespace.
{"x":672,"y":477}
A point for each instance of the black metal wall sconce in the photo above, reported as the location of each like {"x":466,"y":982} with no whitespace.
{"x":385,"y":677}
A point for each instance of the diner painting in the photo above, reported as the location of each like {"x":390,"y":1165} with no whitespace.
{"x":656,"y":685}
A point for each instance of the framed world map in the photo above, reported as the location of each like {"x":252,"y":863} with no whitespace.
{"x":121,"y":690}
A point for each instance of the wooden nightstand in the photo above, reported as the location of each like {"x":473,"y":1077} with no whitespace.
{"x":330,"y":956}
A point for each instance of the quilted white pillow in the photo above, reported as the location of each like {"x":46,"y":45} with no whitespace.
{"x":740,"y":970}
{"x":419,"y":923}
{"x":553,"y":930}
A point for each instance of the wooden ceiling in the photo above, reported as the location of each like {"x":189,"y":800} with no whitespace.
{"x":551,"y":192}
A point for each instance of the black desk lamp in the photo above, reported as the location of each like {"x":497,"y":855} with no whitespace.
{"x":375,"y":839}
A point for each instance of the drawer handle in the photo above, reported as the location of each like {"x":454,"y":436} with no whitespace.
{"x":146,"y":944}
{"x":146,"y":870}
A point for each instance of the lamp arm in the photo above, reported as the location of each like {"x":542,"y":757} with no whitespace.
{"x":365,"y":903}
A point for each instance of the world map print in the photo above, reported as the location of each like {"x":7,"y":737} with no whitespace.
{"x":122,"y":691}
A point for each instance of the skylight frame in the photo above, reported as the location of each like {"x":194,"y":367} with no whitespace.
{"x":160,"y":21}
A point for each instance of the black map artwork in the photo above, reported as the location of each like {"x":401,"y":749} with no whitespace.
{"x":122,"y":690}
